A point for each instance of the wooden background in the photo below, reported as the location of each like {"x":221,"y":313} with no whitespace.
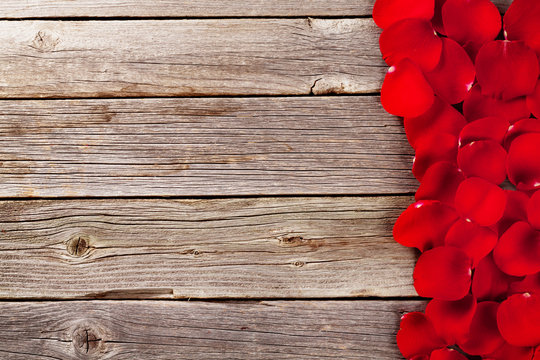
{"x":199,"y":180}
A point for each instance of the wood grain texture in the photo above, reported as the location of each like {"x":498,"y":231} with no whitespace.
{"x":41,"y":59}
{"x":223,"y":248}
{"x":202,"y":330}
{"x":187,"y":8}
{"x":202,"y":146}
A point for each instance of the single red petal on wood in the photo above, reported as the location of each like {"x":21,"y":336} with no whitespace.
{"x":475,"y":240}
{"x":454,"y":75}
{"x":533,"y":210}
{"x":485,"y":159}
{"x":511,"y":352}
{"x":405,"y":91}
{"x":488,"y":128}
{"x":518,"y":318}
{"x":518,"y":250}
{"x":484,"y":337}
{"x":416,"y":336}
{"x":531,"y":285}
{"x":489,"y":282}
{"x":443,"y":273}
{"x":533,"y":100}
{"x":446,"y":354}
{"x":437,"y":20}
{"x":451,"y":319}
{"x":522,"y":162}
{"x":507,"y":69}
{"x":424,"y":224}
{"x":440,"y":118}
{"x":477,"y":106}
{"x":440,"y":182}
{"x":388,"y":12}
{"x":430,"y":150}
{"x":480,"y":201}
{"x":521,"y":127}
{"x":521,"y":22}
{"x":515,"y":210}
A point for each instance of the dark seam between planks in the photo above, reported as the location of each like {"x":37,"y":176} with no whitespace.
{"x":210,"y":17}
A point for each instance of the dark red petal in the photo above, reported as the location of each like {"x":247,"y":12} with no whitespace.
{"x":533,"y":210}
{"x":451,"y":319}
{"x":471,"y":22}
{"x":522,"y":162}
{"x":446,"y":354}
{"x":437,"y":17}
{"x":518,"y":318}
{"x":511,"y":352}
{"x":521,"y":127}
{"x":440,"y":182}
{"x":405,"y":91}
{"x":454,"y":75}
{"x":476,"y":241}
{"x":416,"y":335}
{"x":440,"y":118}
{"x":477,"y":106}
{"x":536,"y":355}
{"x":489,"y":282}
{"x":480,"y":201}
{"x":414,"y":39}
{"x":485,"y":159}
{"x":484,"y":336}
{"x":424,"y":225}
{"x":521,"y":22}
{"x":430,"y":150}
{"x":533,"y":100}
{"x":515,"y":210}
{"x":518,"y":250}
{"x":507,"y":69}
{"x":388,"y":12}
{"x":443,"y":273}
{"x":531,"y":285}
{"x":488,"y":128}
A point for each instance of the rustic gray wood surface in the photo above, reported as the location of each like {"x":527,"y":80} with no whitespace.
{"x":222,"y":248}
{"x":42,"y":59}
{"x":202,"y":330}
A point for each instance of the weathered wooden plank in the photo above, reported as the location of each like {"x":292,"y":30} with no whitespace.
{"x":202,"y":330}
{"x":186,"y":8}
{"x":224,"y":248}
{"x":188,"y":57}
{"x":202,"y":146}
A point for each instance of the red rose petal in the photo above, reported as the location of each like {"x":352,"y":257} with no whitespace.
{"x":507,"y":69}
{"x":437,"y":17}
{"x":454,"y":75}
{"x":518,"y":318}
{"x":416,"y":336}
{"x":440,"y":118}
{"x":440,"y":182}
{"x":477,"y":106}
{"x":443,"y":273}
{"x":521,"y":22}
{"x":424,"y":225}
{"x":405,"y":91}
{"x":414,"y":39}
{"x":476,"y":241}
{"x":511,"y":352}
{"x":388,"y":12}
{"x":430,"y":150}
{"x":484,"y":337}
{"x":531,"y":285}
{"x":485,"y":159}
{"x":533,"y":101}
{"x":488,"y":128}
{"x":521,"y":127}
{"x":518,"y":250}
{"x":489,"y":282}
{"x":536,"y":355}
{"x":515,"y":210}
{"x":533,"y":210}
{"x":471,"y":22}
{"x":446,"y":354}
{"x":523,"y":162}
{"x":451,"y":319}
{"x":480,"y":201}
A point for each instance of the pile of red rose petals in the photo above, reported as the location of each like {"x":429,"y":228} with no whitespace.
{"x":466,"y":82}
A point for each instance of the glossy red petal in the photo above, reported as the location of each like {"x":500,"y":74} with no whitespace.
{"x":416,"y":336}
{"x":477,"y":106}
{"x":454,"y":75}
{"x":437,"y":17}
{"x":475,"y":240}
{"x":443,"y":273}
{"x":452,"y":319}
{"x":446,"y":354}
{"x":518,"y":318}
{"x":388,"y":12}
{"x":531,"y":285}
{"x":533,"y":210}
{"x":515,"y":210}
{"x":489,"y":282}
{"x":440,"y":118}
{"x":488,"y":128}
{"x":511,"y":352}
{"x":405,"y":91}
{"x":521,"y":23}
{"x":533,"y":100}
{"x":485,"y":159}
{"x":507,"y":69}
{"x":424,"y":224}
{"x":521,"y":127}
{"x":414,"y":39}
{"x":440,"y":182}
{"x":522,"y":162}
{"x":484,"y":337}
{"x":518,"y":250}
{"x":430,"y":150}
{"x":480,"y":201}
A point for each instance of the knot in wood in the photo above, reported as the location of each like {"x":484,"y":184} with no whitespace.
{"x":299,"y":263}
{"x":78,"y":245}
{"x":87,"y":340}
{"x":45,"y":41}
